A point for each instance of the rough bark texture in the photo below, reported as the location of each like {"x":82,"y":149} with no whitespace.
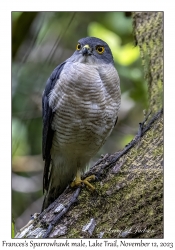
{"x":148,"y":29}
{"x":128,"y":202}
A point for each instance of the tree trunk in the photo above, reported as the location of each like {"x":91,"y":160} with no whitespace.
{"x":128,"y":201}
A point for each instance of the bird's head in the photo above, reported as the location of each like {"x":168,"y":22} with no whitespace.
{"x":92,"y":50}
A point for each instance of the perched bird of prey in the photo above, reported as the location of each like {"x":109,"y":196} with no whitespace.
{"x":80,"y":106}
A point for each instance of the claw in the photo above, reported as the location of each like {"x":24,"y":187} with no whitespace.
{"x":78,"y":181}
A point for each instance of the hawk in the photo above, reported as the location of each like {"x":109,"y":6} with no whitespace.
{"x":80,"y":106}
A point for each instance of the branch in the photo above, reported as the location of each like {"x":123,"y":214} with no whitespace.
{"x":80,"y":213}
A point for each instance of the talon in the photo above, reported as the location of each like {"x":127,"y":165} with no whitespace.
{"x":78,"y":181}
{"x":86,"y":181}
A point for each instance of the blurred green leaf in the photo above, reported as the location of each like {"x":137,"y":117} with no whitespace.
{"x":13,"y":230}
{"x":119,"y":23}
{"x":125,"y":55}
{"x":126,"y":139}
{"x":16,"y":15}
{"x":19,"y":138}
{"x":97,"y":30}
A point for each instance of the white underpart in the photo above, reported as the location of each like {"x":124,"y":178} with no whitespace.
{"x":86,"y":100}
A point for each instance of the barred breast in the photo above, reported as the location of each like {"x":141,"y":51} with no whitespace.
{"x":85,"y":100}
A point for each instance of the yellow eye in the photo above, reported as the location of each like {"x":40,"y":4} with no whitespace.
{"x":78,"y":46}
{"x":100,"y":49}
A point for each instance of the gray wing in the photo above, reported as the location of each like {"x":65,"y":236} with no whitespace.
{"x":47,"y":116}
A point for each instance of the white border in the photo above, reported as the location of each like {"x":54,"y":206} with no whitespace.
{"x":5,"y":98}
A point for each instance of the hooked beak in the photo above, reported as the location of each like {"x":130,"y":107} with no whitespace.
{"x":86,"y":50}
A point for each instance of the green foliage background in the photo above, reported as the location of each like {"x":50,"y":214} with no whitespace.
{"x":41,"y":41}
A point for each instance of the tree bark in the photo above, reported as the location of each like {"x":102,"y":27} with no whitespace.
{"x":128,"y":201}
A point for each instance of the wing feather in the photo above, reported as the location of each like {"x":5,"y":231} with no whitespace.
{"x":47,"y":115}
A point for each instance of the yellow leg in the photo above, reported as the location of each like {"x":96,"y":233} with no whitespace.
{"x":78,"y":181}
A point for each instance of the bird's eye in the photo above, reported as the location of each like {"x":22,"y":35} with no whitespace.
{"x":100,"y":49}
{"x":78,"y":46}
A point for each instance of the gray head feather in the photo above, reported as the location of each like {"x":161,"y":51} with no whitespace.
{"x":91,"y":54}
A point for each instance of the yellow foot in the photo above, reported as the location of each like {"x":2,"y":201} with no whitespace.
{"x":78,"y":181}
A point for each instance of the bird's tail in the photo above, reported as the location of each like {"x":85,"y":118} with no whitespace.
{"x":51,"y":195}
{"x":58,"y":181}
